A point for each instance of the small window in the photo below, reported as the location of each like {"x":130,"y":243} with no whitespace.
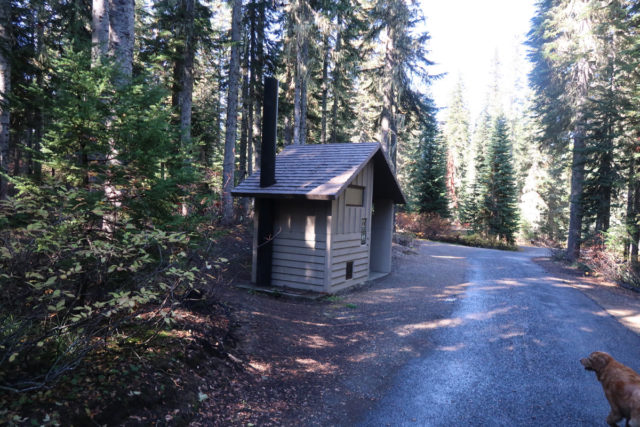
{"x":349,"y":274}
{"x":355,"y":195}
{"x":363,"y":232}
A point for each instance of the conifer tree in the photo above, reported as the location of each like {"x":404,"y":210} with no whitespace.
{"x":5,"y":90}
{"x":471,"y":204}
{"x":456,"y":135}
{"x":562,"y":44}
{"x":500,"y":192}
{"x":428,"y":193}
{"x":228,"y":173}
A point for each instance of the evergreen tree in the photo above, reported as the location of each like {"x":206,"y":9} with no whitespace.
{"x":471,"y":204}
{"x":228,"y":173}
{"x":562,"y":42}
{"x":428,"y":191}
{"x":5,"y":90}
{"x":456,"y":135}
{"x":500,"y":193}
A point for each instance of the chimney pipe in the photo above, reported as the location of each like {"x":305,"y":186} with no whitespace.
{"x":265,"y":207}
{"x":269,"y":127}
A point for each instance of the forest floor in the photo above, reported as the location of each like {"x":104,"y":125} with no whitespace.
{"x":237,"y":357}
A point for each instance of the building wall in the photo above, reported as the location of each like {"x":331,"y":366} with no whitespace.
{"x":300,"y":244}
{"x":345,"y":237}
{"x":382,"y":235}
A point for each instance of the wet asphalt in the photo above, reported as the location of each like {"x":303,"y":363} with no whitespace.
{"x":509,"y":355}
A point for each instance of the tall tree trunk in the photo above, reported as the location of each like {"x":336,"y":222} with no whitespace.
{"x":336,"y":81}
{"x":183,"y":92}
{"x":302,"y":134}
{"x":603,"y":215}
{"x":38,"y":122}
{"x":228,"y":165}
{"x":575,"y":196}
{"x":302,"y":70}
{"x":258,"y":72}
{"x":288,"y":121}
{"x":630,"y":217}
{"x":388,"y":128}
{"x":100,"y":30}
{"x":5,"y":91}
{"x":244,"y":125}
{"x":121,"y":36}
{"x":325,"y":89}
{"x":635,"y":236}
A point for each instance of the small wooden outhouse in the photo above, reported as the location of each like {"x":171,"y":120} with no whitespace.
{"x":331,"y":209}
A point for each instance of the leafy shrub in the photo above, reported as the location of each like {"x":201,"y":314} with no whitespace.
{"x":426,"y":226}
{"x":608,"y":263}
{"x":67,"y":284}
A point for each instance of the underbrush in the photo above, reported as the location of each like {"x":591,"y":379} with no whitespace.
{"x":92,"y":319}
{"x":604,"y":262}
{"x":604,"y":258}
{"x":478,"y":241}
{"x":434,"y":227}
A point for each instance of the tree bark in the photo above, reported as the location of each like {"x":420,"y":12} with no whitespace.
{"x":244,"y":123}
{"x":258,"y":71}
{"x":325,"y":89}
{"x":228,"y":165}
{"x":635,"y":236}
{"x":244,"y":126}
{"x":301,"y":76}
{"x":100,"y":30}
{"x":337,"y":75}
{"x":388,"y":128}
{"x":575,"y":196}
{"x":183,"y":73}
{"x":288,"y":121}
{"x":5,"y":91}
{"x":38,"y":124}
{"x":630,"y":215}
{"x":121,"y":36}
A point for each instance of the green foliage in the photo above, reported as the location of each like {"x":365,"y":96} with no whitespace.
{"x":66,"y":283}
{"x":457,"y":139}
{"x":499,"y":204}
{"x":67,"y":280}
{"x":428,"y":192}
{"x":469,"y":210}
{"x":479,"y":241}
{"x":121,"y":136}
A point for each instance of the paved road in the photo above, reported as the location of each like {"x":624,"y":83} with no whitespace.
{"x":509,"y":354}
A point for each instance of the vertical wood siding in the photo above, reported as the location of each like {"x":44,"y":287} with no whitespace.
{"x":345,"y":237}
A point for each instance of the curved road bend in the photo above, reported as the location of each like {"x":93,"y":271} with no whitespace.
{"x":511,"y":355}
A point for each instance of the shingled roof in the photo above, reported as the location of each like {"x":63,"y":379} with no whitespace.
{"x":323,"y":171}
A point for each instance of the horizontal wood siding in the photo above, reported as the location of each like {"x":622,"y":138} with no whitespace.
{"x":346,"y":242}
{"x":299,"y":246}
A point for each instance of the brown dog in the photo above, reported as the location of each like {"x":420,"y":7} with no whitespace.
{"x":621,"y":386}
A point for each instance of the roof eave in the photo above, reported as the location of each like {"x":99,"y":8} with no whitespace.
{"x":268,"y":195}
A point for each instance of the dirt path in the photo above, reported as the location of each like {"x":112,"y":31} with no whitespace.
{"x":328,"y":362}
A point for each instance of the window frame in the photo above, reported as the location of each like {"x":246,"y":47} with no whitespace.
{"x":346,"y":198}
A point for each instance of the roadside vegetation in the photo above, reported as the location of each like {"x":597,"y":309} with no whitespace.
{"x":434,"y":227}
